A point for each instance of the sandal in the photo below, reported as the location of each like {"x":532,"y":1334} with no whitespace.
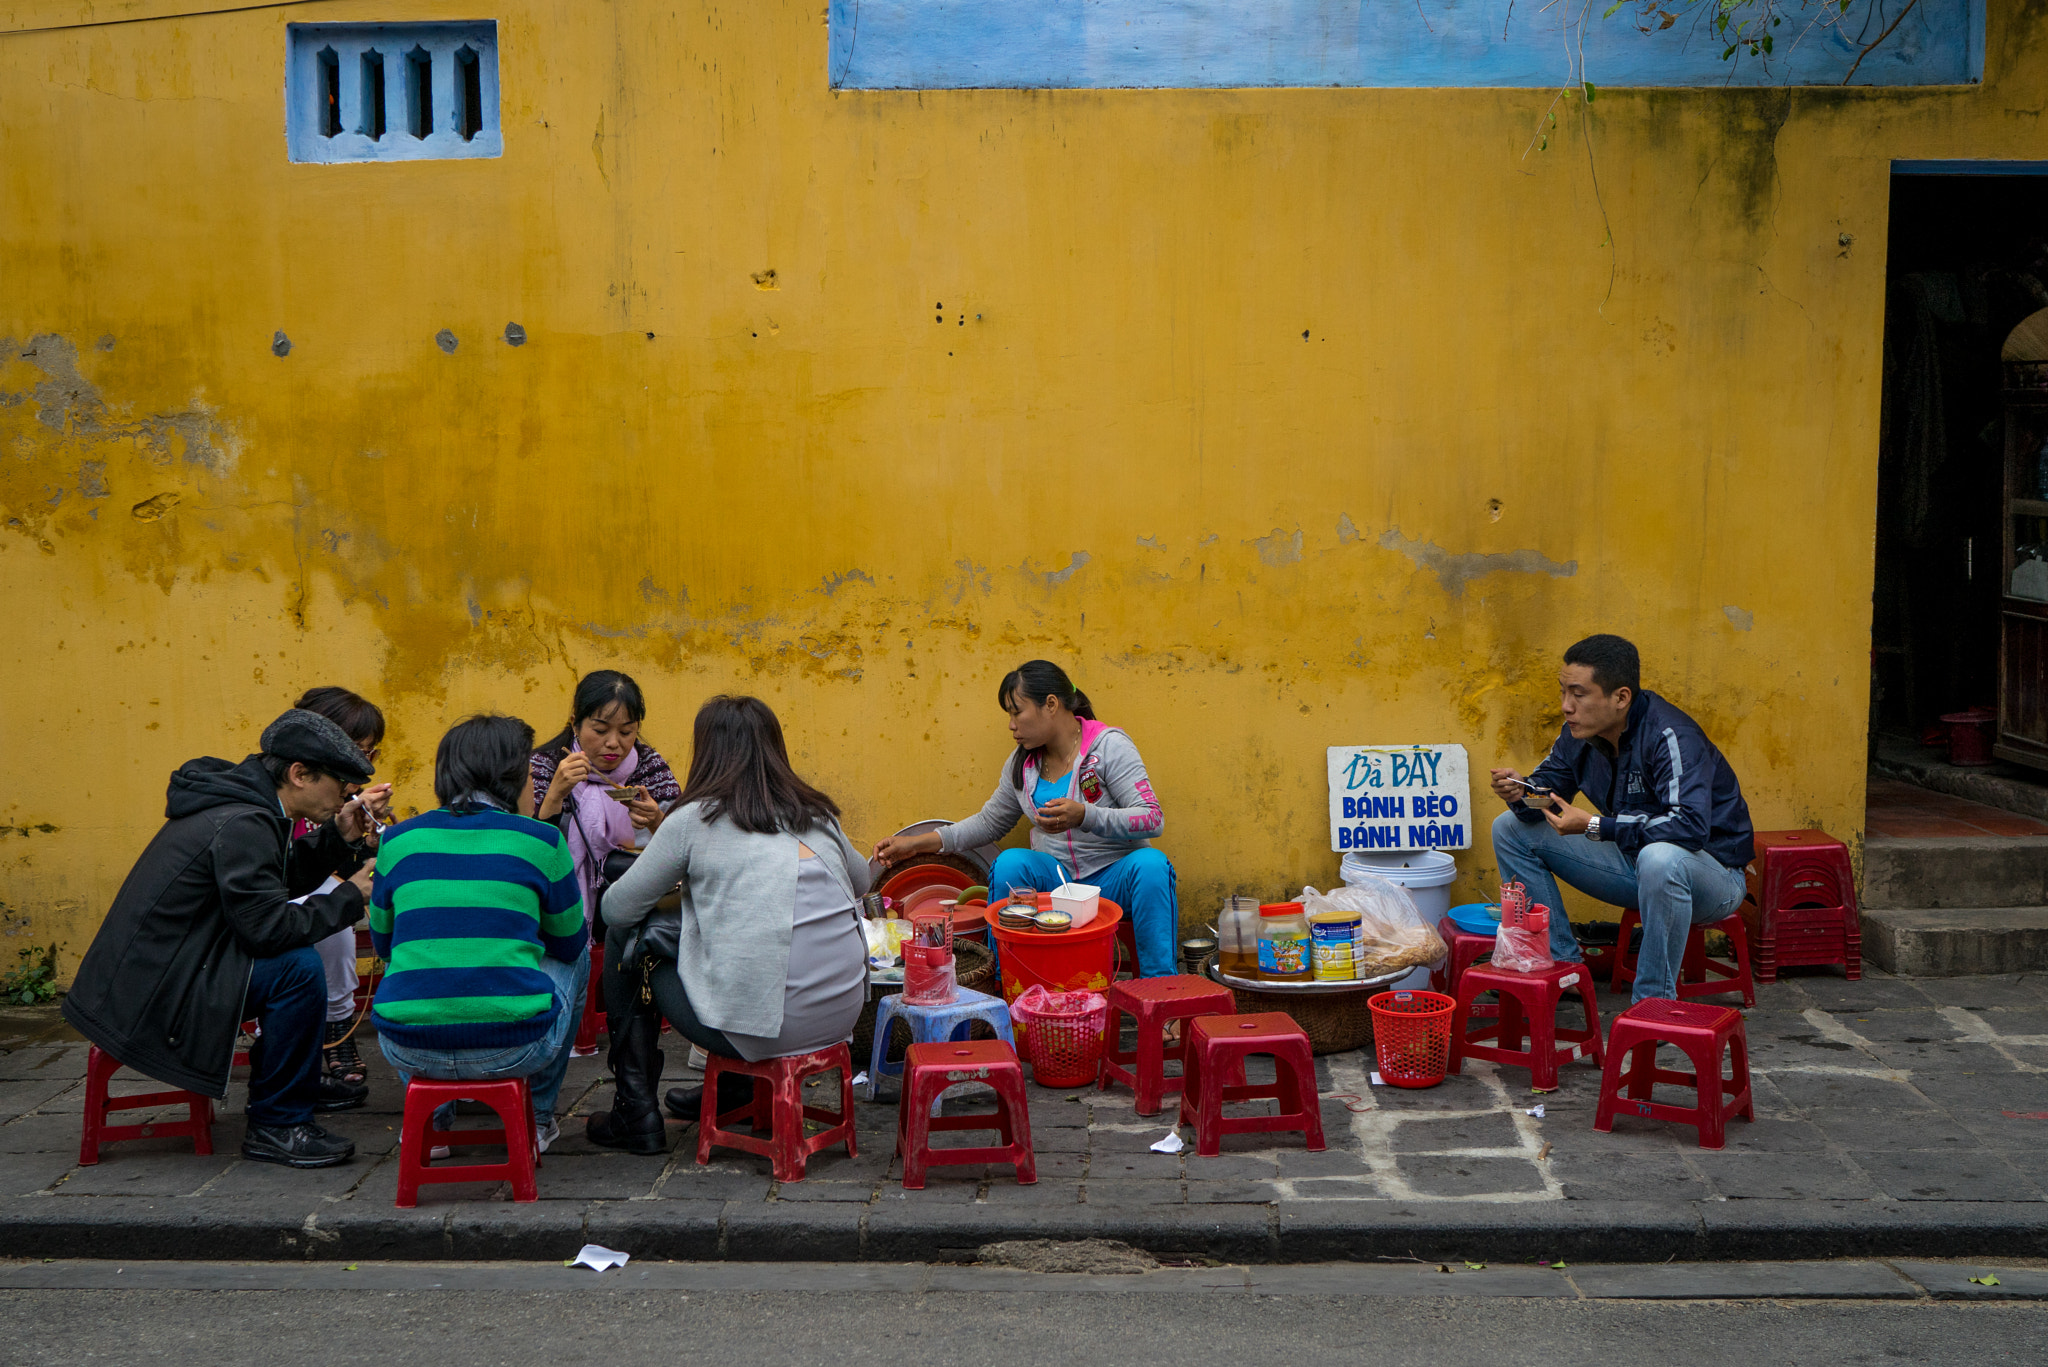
{"x":343,"y":1063}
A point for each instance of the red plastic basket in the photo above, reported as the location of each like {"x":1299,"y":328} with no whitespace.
{"x":1411,"y":1033}
{"x":1062,"y":1035}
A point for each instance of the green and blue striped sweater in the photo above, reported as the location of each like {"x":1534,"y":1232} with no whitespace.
{"x":463,"y":907}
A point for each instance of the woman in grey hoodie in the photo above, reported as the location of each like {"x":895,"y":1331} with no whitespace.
{"x":1092,"y":812}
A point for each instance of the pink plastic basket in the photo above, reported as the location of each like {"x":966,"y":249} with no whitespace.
{"x":1061,"y":1034}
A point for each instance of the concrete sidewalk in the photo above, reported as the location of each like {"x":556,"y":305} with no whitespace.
{"x":1895,"y":1118}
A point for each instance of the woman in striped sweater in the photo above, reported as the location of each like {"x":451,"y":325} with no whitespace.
{"x":476,"y":906}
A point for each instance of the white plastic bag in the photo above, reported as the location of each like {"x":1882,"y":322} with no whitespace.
{"x":1523,"y":942}
{"x":1392,"y":933}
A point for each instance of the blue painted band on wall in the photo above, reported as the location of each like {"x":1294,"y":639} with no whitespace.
{"x":1970,"y":168}
{"x":1178,"y":44}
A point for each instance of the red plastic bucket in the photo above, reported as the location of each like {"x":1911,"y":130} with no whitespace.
{"x":1061,"y":961}
{"x":1411,"y":1034}
{"x":1969,"y":736}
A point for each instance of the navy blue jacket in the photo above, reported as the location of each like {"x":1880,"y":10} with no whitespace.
{"x":1673,"y":785}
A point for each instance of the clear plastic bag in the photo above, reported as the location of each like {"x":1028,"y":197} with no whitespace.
{"x":1523,"y":942}
{"x":1392,"y":934}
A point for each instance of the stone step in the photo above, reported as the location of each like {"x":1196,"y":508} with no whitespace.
{"x":1975,"y":871}
{"x":1947,"y":942}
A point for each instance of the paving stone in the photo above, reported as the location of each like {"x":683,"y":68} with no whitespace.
{"x":1846,"y":1093}
{"x":38,"y":1062}
{"x":1809,"y":1176}
{"x":1053,"y":1167}
{"x":1626,"y":1177}
{"x":1232,"y":1167}
{"x":1886,"y":1133}
{"x":1631,"y":1134}
{"x":1468,"y":1176}
{"x":1873,"y":993}
{"x":22,"y":1173}
{"x":1922,"y":1026}
{"x":1480,"y":1130}
{"x":1763,"y":1135}
{"x":1228,"y":1192}
{"x":2008,"y":1021}
{"x":1046,"y":1191}
{"x":2024,"y":991}
{"x":1923,"y":1059}
{"x":148,"y":1174}
{"x":688,"y":1182}
{"x":1974,"y":1176}
{"x":613,"y":1177}
{"x":1061,"y":1140}
{"x":1324,"y":1163}
{"x":22,"y":1098}
{"x":942,"y":1186}
{"x":1951,"y":1281}
{"x":248,"y":1180}
{"x":1464,"y":1092}
{"x":1121,"y":1193}
{"x":813,"y":1190}
{"x":1166,"y":1166}
{"x":1723,"y":1281}
{"x":1126,"y":1141}
{"x":1985,"y":1087}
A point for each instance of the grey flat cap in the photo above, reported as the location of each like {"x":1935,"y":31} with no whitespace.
{"x":313,"y":740}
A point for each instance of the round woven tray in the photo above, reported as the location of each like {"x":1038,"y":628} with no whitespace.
{"x":1335,"y":1022}
{"x":976,"y":969}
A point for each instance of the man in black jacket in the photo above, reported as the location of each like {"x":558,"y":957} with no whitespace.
{"x":1670,"y":834}
{"x":203,"y":935}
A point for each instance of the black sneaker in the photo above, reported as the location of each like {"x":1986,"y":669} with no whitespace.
{"x":339,"y":1094}
{"x":296,"y":1146}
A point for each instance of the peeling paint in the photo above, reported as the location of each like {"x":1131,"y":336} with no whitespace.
{"x":834,"y":581}
{"x":1455,"y":571}
{"x":1279,"y":546}
{"x":1054,"y":578}
{"x":68,"y":403}
{"x":1347,"y":530}
{"x":1743,"y":618}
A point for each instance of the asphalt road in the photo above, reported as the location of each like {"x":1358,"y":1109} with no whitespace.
{"x":496,"y":1318}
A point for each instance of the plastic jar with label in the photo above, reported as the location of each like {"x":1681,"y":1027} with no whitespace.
{"x":1284,"y":955}
{"x":1333,"y":945}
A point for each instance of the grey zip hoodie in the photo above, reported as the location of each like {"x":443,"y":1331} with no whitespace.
{"x":1108,"y":778}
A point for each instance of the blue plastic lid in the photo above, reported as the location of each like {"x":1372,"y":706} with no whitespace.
{"x":1476,"y":918}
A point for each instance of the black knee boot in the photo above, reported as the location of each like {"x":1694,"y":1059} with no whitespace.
{"x":634,"y":1122}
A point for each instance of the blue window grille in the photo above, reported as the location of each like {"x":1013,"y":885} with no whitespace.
{"x":392,"y":92}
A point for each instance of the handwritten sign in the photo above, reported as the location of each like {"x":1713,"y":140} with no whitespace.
{"x":1400,"y":797}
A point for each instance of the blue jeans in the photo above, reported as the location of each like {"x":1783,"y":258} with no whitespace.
{"x":1672,"y":887}
{"x":543,"y":1062}
{"x":1142,"y":883}
{"x":287,"y":997}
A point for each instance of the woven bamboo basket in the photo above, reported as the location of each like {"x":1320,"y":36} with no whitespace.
{"x":976,"y":970}
{"x":1335,"y":1024}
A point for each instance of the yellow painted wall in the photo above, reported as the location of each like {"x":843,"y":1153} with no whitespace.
{"x":1245,"y":543}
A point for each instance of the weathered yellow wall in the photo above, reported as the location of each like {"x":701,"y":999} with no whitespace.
{"x":1246,"y":544}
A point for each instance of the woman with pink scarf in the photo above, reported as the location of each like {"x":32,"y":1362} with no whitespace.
{"x":599,"y":781}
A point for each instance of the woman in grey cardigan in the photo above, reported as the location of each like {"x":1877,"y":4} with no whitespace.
{"x":768,"y":959}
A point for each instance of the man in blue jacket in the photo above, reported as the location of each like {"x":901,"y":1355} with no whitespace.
{"x":1669,"y":835}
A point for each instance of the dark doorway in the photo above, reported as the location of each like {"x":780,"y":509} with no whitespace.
{"x":1968,"y":259}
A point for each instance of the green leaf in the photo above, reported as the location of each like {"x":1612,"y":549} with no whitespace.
{"x":1611,"y":9}
{"x":350,"y":1268}
{"x":1543,"y":143}
{"x":1986,"y":1280}
{"x":1590,"y":92}
{"x":1477,"y":1267}
{"x":1767,"y":44}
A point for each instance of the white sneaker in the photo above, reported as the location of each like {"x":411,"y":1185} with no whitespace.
{"x":546,"y":1133}
{"x":438,"y":1152}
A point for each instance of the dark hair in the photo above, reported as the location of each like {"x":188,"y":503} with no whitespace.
{"x":279,"y":768}
{"x":1039,"y":680}
{"x":352,"y":712}
{"x":1614,"y":662}
{"x":739,"y":769}
{"x":598,"y":691}
{"x":484,"y":754}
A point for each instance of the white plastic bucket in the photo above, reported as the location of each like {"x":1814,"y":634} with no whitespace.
{"x":1426,"y":874}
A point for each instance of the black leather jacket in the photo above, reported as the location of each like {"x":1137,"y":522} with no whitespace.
{"x":162,"y":986}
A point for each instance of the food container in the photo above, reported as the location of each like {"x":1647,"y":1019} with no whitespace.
{"x":1053,"y":921}
{"x":1193,"y":953}
{"x":1078,"y":900}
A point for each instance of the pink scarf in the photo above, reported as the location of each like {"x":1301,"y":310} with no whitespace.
{"x":599,"y":825}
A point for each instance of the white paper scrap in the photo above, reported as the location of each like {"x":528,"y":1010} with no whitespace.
{"x":597,"y":1258}
{"x":858,"y":1079}
{"x":1536,"y":1110}
{"x":1173,"y":1143}
{"x":1378,"y":1081}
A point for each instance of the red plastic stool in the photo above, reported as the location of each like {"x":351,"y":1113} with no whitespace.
{"x":1216,"y":1049}
{"x":1698,"y":975}
{"x":593,"y":1012}
{"x":241,"y":1058}
{"x":514,"y":1105}
{"x":1126,"y":944}
{"x":1528,"y":1001}
{"x":928,"y":1070}
{"x":99,"y":1067}
{"x":777,"y":1111}
{"x":1467,"y":949}
{"x":1153,"y":1004}
{"x":1801,"y":905}
{"x":1703,"y":1032}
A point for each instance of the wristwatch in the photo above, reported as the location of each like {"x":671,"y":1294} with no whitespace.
{"x":1593,"y":828}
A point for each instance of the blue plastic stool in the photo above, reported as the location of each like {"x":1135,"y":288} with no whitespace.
{"x":934,"y":1025}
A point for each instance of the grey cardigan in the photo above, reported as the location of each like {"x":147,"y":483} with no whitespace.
{"x":739,"y":906}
